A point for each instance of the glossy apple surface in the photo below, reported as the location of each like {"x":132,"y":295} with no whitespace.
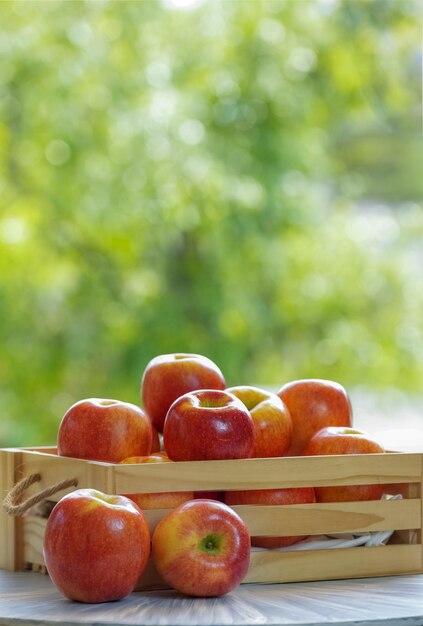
{"x":300,"y":495}
{"x":164,"y":500}
{"x":272,"y":421}
{"x":314,"y":404}
{"x":169,"y":376}
{"x":104,"y":430}
{"x":96,"y":546}
{"x":202,"y":548}
{"x":206,"y":425}
{"x":341,"y":440}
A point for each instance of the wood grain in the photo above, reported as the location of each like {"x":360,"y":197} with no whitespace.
{"x":269,"y":473}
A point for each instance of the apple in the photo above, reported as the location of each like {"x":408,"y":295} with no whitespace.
{"x":104,"y":430}
{"x":169,"y":376}
{"x":343,"y":440}
{"x":272,"y":421}
{"x":208,"y":424}
{"x":202,"y":548}
{"x":165,"y":500}
{"x":297,"y":495}
{"x":95,"y":546}
{"x":314,"y":404}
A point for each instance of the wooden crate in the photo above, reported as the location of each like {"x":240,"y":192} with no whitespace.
{"x":21,"y":537}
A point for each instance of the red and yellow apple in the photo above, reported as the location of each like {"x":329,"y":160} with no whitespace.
{"x":169,"y":376}
{"x":96,"y":546}
{"x":272,"y":421}
{"x":266,"y":497}
{"x":343,"y":440}
{"x":314,"y":404}
{"x":164,"y":500}
{"x":208,"y":424}
{"x":104,"y":430}
{"x":202,"y":548}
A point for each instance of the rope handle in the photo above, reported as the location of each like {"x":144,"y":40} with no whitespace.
{"x":10,"y":502}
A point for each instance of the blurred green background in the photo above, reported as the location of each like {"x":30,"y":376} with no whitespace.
{"x":241,"y":179}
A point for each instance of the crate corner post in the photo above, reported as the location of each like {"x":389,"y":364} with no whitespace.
{"x":11,"y":553}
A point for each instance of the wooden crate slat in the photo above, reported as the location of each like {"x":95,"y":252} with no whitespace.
{"x":271,"y":566}
{"x":328,"y":518}
{"x":269,"y":473}
{"x":346,"y":517}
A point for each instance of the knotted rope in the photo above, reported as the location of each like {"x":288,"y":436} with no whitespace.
{"x":10,"y":502}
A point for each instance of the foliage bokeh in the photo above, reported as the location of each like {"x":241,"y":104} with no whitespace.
{"x":240,"y":179}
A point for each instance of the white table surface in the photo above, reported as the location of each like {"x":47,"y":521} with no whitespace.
{"x":30,"y":599}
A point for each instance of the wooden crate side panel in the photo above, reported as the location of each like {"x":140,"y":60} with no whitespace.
{"x":269,"y":473}
{"x":275,"y":567}
{"x":394,"y":468}
{"x":32,"y":537}
{"x":312,"y":519}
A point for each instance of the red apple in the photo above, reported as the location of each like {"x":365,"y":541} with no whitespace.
{"x":104,"y":430}
{"x":297,"y":495}
{"x":169,"y":376}
{"x":341,"y":440}
{"x":314,"y":404}
{"x":165,"y":500}
{"x":96,"y":546}
{"x":208,"y":424}
{"x":272,"y":421}
{"x":202,"y":548}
